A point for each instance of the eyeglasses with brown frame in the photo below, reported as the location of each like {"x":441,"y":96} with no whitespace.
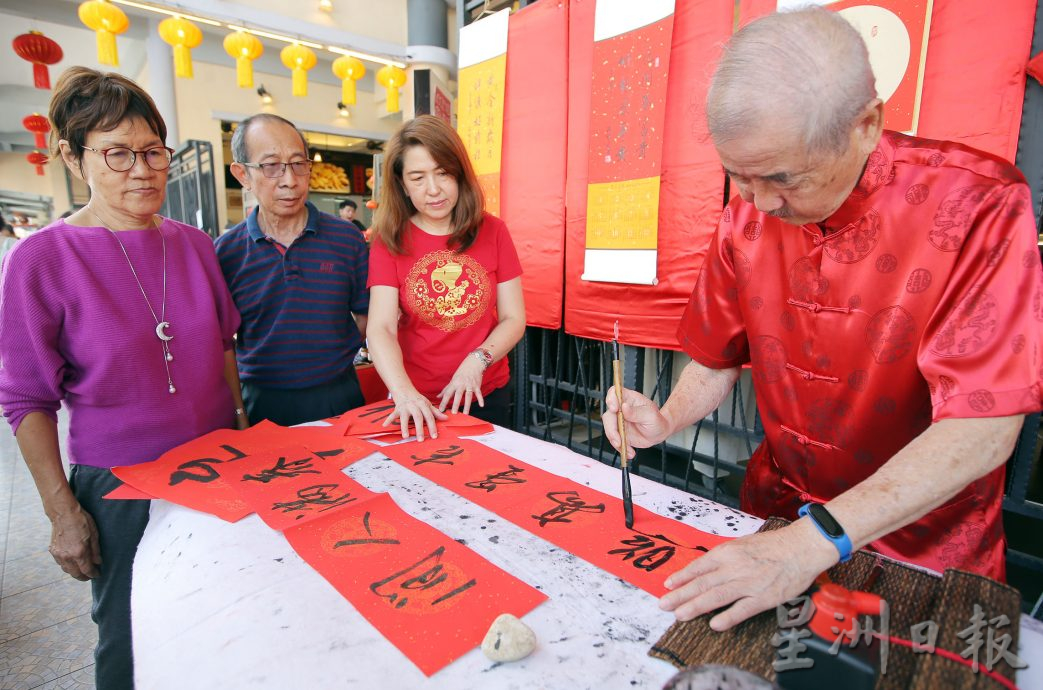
{"x":122,"y":159}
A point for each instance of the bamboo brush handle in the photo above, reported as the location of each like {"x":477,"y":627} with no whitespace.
{"x":620,"y":422}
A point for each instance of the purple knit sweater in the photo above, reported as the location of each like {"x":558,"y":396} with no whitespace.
{"x":74,"y":327}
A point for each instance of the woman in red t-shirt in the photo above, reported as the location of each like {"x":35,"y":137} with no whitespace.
{"x":445,"y":302}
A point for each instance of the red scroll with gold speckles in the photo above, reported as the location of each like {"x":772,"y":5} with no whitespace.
{"x":581,"y":520}
{"x":631,"y":66}
{"x":412,"y":582}
{"x":430,"y":596}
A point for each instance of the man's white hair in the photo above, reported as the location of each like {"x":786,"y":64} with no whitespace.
{"x":807,"y":69}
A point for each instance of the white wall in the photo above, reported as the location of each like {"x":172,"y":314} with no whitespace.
{"x":381,"y":19}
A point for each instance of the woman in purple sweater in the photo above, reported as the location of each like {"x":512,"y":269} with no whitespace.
{"x":123,"y":316}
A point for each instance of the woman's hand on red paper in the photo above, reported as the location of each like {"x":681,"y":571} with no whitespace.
{"x":412,"y":406}
{"x":464,"y":387}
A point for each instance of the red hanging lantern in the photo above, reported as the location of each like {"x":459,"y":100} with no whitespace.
{"x":39,"y":50}
{"x":39,"y":126}
{"x":38,"y":159}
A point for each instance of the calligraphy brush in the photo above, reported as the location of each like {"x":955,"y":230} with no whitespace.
{"x":617,"y":382}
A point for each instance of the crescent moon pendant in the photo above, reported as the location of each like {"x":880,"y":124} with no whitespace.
{"x":161,"y":333}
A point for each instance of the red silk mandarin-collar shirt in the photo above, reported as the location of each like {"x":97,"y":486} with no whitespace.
{"x":920,"y":300}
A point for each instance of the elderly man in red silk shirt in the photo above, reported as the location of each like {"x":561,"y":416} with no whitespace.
{"x":887,"y":292}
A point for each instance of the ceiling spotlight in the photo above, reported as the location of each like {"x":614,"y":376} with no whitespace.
{"x":326,"y":5}
{"x":266,"y":97}
{"x":317,"y":157}
{"x":344,"y":112}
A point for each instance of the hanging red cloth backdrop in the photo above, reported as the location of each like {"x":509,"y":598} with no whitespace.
{"x":532,"y":176}
{"x":974,"y":81}
{"x":692,"y":182}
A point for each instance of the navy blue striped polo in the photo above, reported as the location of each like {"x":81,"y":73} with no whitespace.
{"x":296,"y":303}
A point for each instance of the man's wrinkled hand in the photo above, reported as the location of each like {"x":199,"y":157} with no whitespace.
{"x":645,"y":424}
{"x":749,"y":575}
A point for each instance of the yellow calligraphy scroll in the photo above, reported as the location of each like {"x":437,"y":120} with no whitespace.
{"x":623,"y":215}
{"x":482,"y":81}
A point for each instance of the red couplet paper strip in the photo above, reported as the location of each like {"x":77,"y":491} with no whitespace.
{"x":461,"y":424}
{"x":577,"y":518}
{"x":127,"y":492}
{"x":429,"y":596}
{"x":368,"y":422}
{"x":327,"y":442}
{"x":291,"y":486}
{"x":692,"y":184}
{"x":192,"y":474}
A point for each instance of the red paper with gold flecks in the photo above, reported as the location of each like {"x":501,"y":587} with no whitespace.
{"x":430,"y":596}
{"x":575,"y":517}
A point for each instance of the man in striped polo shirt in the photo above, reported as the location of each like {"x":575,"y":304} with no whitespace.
{"x":298,"y":277}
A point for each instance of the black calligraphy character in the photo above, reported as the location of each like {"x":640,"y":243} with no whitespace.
{"x":283,"y":468}
{"x":647,"y":553}
{"x":651,"y":557}
{"x":565,"y":507}
{"x":372,"y":540}
{"x":491,"y":481}
{"x":317,"y":495}
{"x":202,"y":470}
{"x":440,"y":456}
{"x":377,"y":411}
{"x":332,"y":453}
{"x":424,"y":577}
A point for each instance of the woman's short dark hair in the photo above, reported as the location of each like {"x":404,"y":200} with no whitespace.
{"x":86,"y":100}
{"x":449,"y":153}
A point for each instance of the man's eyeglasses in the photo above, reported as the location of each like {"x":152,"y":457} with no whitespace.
{"x":275,"y":170}
{"x":122,"y":159}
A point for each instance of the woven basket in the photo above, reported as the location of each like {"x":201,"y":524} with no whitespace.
{"x":913,"y":597}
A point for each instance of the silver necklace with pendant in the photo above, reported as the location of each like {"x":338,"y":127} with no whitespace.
{"x":161,"y":321}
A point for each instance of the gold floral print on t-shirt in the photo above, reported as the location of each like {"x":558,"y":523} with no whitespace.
{"x":447,"y":290}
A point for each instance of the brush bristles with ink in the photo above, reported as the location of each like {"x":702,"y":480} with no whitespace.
{"x":617,"y":381}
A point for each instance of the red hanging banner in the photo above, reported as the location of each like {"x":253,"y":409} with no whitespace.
{"x":532,"y":196}
{"x":691,"y":188}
